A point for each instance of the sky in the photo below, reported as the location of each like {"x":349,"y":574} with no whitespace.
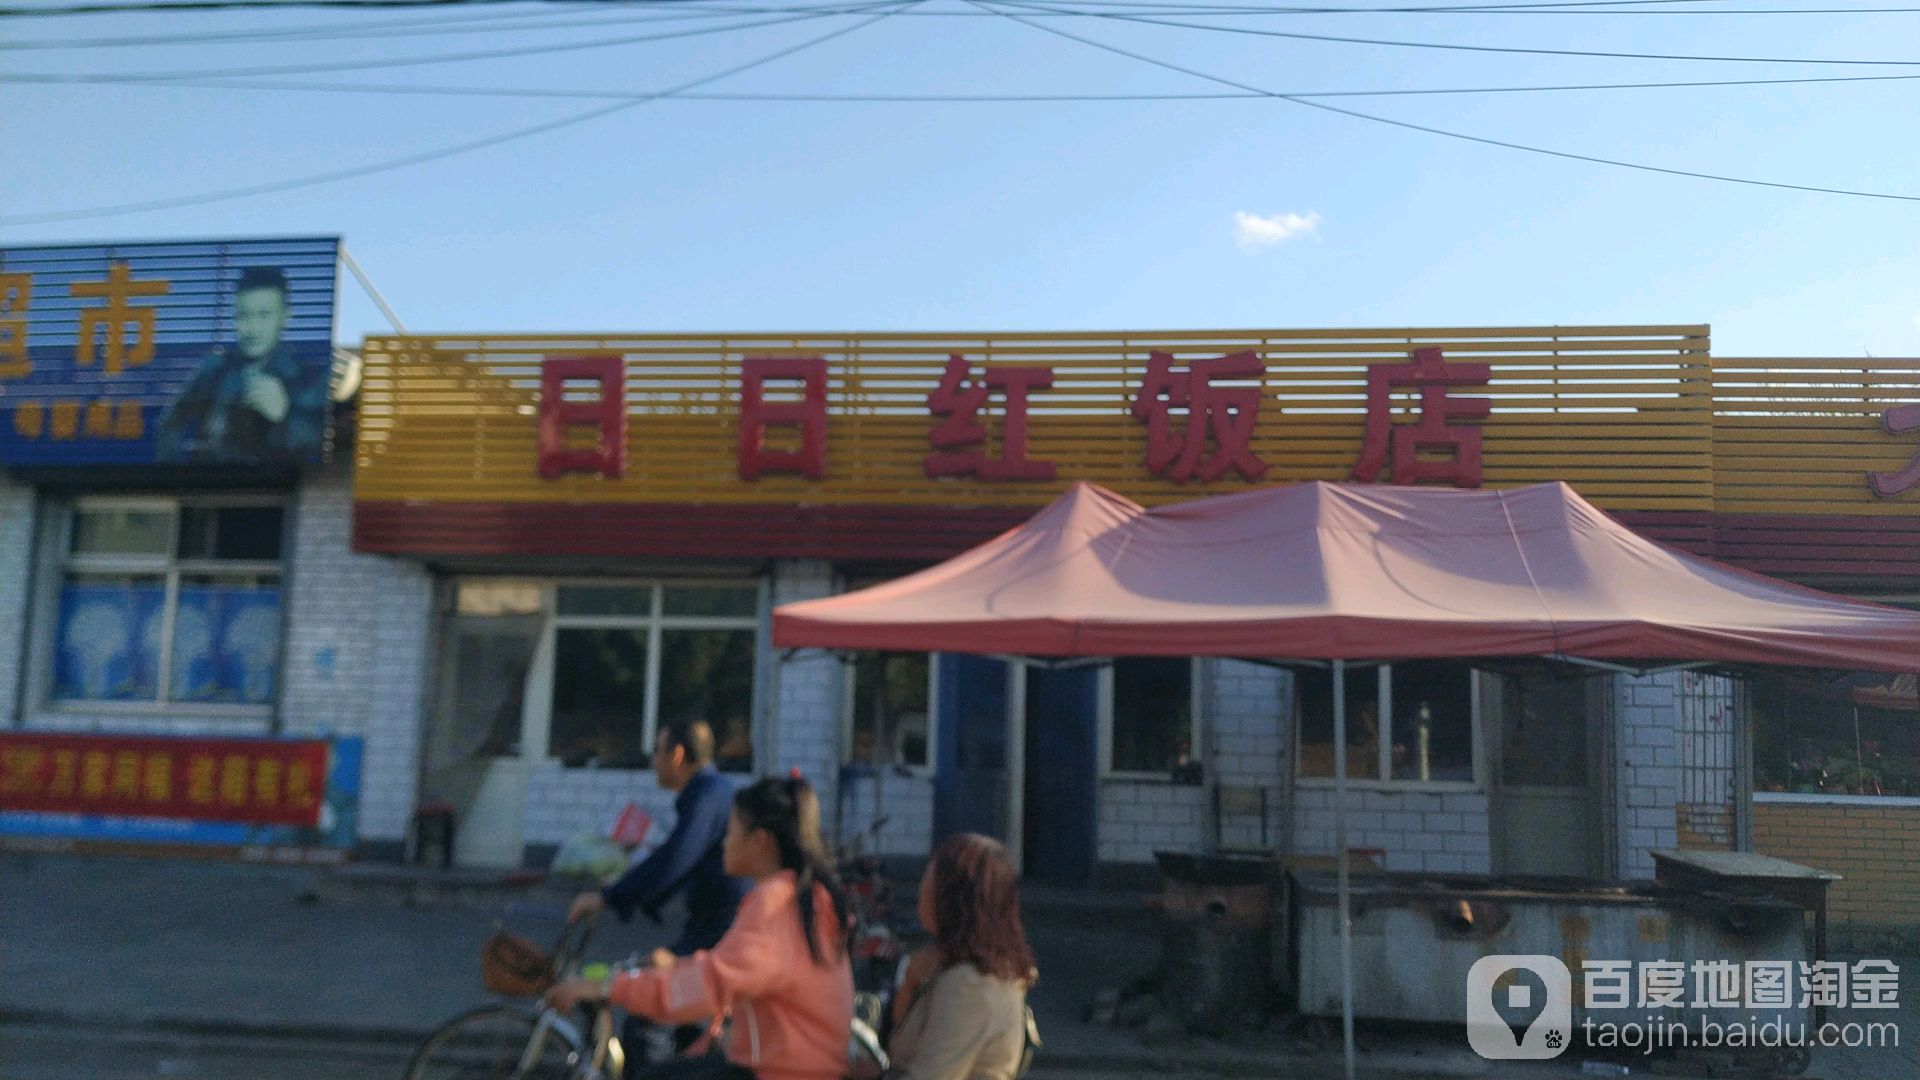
{"x":705,"y":215}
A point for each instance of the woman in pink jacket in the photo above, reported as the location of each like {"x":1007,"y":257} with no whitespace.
{"x":781,"y":971}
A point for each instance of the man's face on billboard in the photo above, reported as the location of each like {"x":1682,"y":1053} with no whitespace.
{"x":259,"y":318}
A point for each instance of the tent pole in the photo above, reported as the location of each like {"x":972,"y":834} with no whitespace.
{"x":1340,"y":859}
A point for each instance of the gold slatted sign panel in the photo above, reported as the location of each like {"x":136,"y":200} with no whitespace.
{"x":1799,"y":436}
{"x":1623,"y":412}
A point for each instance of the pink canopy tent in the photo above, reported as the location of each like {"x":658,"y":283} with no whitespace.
{"x":1346,"y":573}
{"x":1325,"y":571}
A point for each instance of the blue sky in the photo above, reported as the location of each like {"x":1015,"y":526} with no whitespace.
{"x":705,"y":215}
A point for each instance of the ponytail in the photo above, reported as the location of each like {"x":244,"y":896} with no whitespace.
{"x":788,"y":810}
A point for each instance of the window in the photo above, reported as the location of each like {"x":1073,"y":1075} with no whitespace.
{"x":1152,"y":729}
{"x":169,"y":602}
{"x":626,"y":657}
{"x":887,"y":714}
{"x":1857,"y":735}
{"x":1410,"y":722}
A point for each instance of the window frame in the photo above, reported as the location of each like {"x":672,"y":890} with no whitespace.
{"x":61,"y":561}
{"x":1383,"y":766}
{"x":536,"y":735}
{"x":847,"y":696}
{"x":1104,"y":702}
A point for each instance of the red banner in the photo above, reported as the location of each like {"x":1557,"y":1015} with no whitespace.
{"x":254,"y":781}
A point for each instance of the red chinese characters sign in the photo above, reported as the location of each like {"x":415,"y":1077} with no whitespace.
{"x":1898,"y":420}
{"x":1436,"y":428}
{"x":253,"y":781}
{"x":1200,"y":419}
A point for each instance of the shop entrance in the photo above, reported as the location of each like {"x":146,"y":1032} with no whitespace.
{"x":1016,"y":762}
{"x":1062,"y":803}
{"x":1544,"y":742}
{"x":473,"y":754}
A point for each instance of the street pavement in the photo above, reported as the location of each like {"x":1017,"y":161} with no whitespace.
{"x":123,"y":967}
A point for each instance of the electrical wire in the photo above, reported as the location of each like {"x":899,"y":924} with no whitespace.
{"x":1372,"y":118}
{"x":1290,"y":35}
{"x":437,"y":154}
{"x":537,"y":93}
{"x":141,"y":7}
{"x":379,"y":29}
{"x":454,"y":58}
{"x":1532,"y":6}
{"x":693,"y":9}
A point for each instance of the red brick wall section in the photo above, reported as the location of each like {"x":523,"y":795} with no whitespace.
{"x":1877,"y":849}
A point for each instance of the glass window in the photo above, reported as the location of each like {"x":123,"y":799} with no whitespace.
{"x":1425,"y":723}
{"x":600,"y":698}
{"x":240,"y":533}
{"x":889,"y":709}
{"x":146,"y":614}
{"x":1432,"y":727}
{"x":712,"y":601}
{"x":226,"y":639}
{"x":1153,"y":715}
{"x":606,"y":600}
{"x":603,"y":710}
{"x":1857,"y":735}
{"x":107,"y":645}
{"x":1363,"y":723}
{"x":116,"y":531}
{"x":1543,"y":717}
{"x":708,"y":675}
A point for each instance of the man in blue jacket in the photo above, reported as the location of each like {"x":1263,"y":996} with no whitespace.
{"x":689,"y":863}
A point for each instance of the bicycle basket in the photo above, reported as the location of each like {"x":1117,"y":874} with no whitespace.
{"x":514,"y":966}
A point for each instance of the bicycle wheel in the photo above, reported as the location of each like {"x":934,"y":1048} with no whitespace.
{"x":489,"y":1044}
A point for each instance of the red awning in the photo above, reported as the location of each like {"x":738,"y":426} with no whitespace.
{"x":1324,"y":571}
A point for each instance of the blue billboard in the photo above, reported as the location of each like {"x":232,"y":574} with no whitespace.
{"x":167,"y":353}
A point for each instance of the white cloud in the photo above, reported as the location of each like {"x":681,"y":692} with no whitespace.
{"x":1253,"y":230}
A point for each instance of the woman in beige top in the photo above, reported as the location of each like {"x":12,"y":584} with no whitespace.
{"x":961,"y":1011}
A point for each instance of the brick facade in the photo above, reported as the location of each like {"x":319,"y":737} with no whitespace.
{"x":1646,"y":783}
{"x":354,"y":656}
{"x":1876,"y":849}
{"x":358,"y":653}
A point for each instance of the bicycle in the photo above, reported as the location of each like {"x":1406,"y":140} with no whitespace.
{"x":539,"y":1042}
{"x":532,"y":1041}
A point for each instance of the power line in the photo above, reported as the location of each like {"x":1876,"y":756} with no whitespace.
{"x":1450,"y":47}
{"x":116,"y":7}
{"x":537,"y":93}
{"x":381,"y":29}
{"x":437,"y":154}
{"x":1311,"y":104}
{"x":1535,"y":7}
{"x":454,"y":58}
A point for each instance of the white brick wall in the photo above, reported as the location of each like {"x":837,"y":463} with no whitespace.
{"x":358,"y":651}
{"x":1418,"y":830}
{"x":1138,"y":818}
{"x":1647,"y":786}
{"x":907,"y":803}
{"x":1249,"y":737}
{"x":561,"y":802}
{"x":807,"y":689}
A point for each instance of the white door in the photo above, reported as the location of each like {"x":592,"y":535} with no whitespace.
{"x":1542,"y":736}
{"x":475,"y":758}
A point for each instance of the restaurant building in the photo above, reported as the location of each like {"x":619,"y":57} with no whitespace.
{"x":606,"y":521}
